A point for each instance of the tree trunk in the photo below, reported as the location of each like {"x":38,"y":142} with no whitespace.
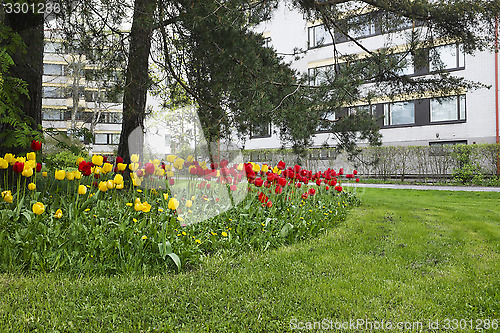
{"x":28,"y":67}
{"x":137,"y":77}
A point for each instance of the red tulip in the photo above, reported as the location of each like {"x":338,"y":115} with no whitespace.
{"x":357,"y":180}
{"x":298,"y":185}
{"x":327,"y":187}
{"x":86,"y":169}
{"x":269,"y":204}
{"x":224,"y":163}
{"x":282,"y":181}
{"x":18,"y":167}
{"x":233,"y":187}
{"x":171,"y":182}
{"x":281,"y":165}
{"x":119,"y":159}
{"x":312,"y":191}
{"x":262,"y":197}
{"x":278,"y":189}
{"x":318,"y":182}
{"x":150,"y":168}
{"x":304,"y":195}
{"x":355,"y":172}
{"x":36,"y":145}
{"x":338,"y":188}
{"x":38,"y":167}
{"x":259,"y":182}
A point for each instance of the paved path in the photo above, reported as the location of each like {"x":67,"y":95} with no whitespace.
{"x":428,"y":187}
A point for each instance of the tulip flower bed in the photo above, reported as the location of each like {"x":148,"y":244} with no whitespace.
{"x":96,"y":218}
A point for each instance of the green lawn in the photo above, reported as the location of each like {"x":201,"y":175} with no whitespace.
{"x":402,"y":256}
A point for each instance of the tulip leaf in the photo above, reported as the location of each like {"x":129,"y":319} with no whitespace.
{"x":286,"y":230}
{"x":176,"y":260}
{"x":27,"y":215}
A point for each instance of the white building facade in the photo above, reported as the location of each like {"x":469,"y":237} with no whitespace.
{"x":469,"y":118}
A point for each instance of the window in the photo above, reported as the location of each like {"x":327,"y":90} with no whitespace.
{"x":52,"y":47}
{"x":111,"y":117}
{"x":447,"y":57}
{"x":53,"y":92}
{"x":167,"y":140}
{"x":405,"y":62}
{"x":107,"y":138}
{"x":53,"y":114}
{"x":53,"y":69}
{"x":448,"y":108}
{"x":262,"y":130}
{"x":319,"y":75}
{"x":325,"y":124}
{"x":319,"y":36}
{"x":361,"y":27}
{"x":361,"y":108}
{"x":399,"y":113}
{"x":444,"y":143}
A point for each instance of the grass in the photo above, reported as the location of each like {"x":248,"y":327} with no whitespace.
{"x":402,"y":256}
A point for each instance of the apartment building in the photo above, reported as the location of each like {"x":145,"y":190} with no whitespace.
{"x":469,"y":118}
{"x":72,"y":101}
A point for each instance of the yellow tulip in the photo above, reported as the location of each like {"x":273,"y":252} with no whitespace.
{"x":171,"y":158}
{"x":239,"y":167}
{"x":170,"y":174}
{"x":156,"y":162}
{"x":21,"y":160}
{"x":30,"y":164}
{"x":103,"y":186}
{"x":134,"y":158}
{"x":3,"y":163}
{"x":79,"y":160}
{"x":60,"y":174}
{"x":31,"y":156}
{"x":136,"y":181}
{"x":133,"y":166}
{"x":44,"y":174}
{"x":78,"y":174}
{"x":70,"y":176}
{"x":159,"y":172}
{"x":97,"y":160}
{"x":118,"y":179}
{"x":10,"y":158}
{"x":190,"y":158}
{"x":193,"y":198}
{"x":146,"y":207}
{"x":82,"y":189}
{"x":173,"y":204}
{"x":7,"y":196}
{"x":168,"y":167}
{"x":138,"y":206}
{"x":121,"y":166}
{"x":265,"y":168}
{"x":165,"y":196}
{"x":119,"y":186}
{"x":110,"y":184}
{"x":58,"y":214}
{"x":38,"y":208}
{"x":27,"y":172}
{"x":178,"y":163}
{"x":189,"y":203}
{"x":256,"y":167}
{"x":107,"y":167}
{"x":203,"y":164}
{"x":31,"y":186}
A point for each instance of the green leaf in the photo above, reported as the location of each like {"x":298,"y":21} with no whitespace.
{"x":176,"y":260}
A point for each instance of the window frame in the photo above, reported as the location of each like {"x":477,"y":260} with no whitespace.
{"x":460,"y":103}
{"x":388,"y":114}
